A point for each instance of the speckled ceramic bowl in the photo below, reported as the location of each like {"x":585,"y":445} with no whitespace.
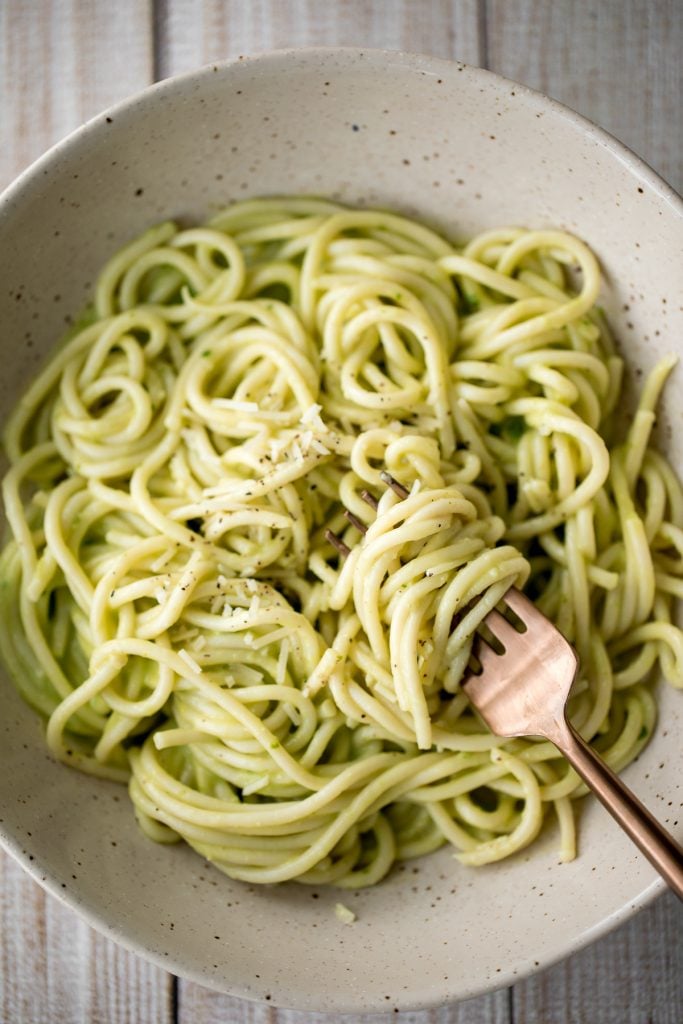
{"x":464,"y":149}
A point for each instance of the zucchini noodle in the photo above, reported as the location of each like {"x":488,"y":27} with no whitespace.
{"x":170,"y":600}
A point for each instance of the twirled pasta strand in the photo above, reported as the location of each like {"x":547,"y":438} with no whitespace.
{"x":169,"y":599}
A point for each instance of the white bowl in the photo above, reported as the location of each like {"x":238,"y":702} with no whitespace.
{"x":466,"y":150}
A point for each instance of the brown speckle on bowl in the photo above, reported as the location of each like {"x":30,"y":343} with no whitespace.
{"x":462,"y":950}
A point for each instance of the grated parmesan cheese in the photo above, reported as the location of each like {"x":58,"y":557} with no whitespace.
{"x":343,"y":913}
{"x":271,"y":638}
{"x":312,"y":414}
{"x":189,"y":661}
{"x":277,"y":448}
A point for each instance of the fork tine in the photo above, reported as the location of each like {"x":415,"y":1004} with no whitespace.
{"x":338,"y":543}
{"x":485,"y":655}
{"x":355,"y":521}
{"x":370,"y":499}
{"x":503,"y":630}
{"x":520,"y":605}
{"x":396,"y":487}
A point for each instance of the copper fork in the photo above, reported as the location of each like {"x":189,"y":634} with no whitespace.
{"x":523,"y":690}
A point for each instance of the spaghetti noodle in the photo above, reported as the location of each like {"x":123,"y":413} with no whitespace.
{"x":169,"y":600}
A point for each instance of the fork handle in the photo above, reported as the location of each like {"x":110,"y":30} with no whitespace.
{"x":658,"y":845}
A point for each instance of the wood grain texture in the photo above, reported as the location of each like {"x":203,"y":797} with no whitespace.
{"x":60,"y":62}
{"x":63,"y":62}
{"x":54,"y":969}
{"x":617,"y":62}
{"x":199,"y":1006}
{"x":192,"y":32}
{"x":634,"y":976}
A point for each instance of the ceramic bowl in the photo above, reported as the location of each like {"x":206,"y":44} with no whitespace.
{"x":463,"y":149}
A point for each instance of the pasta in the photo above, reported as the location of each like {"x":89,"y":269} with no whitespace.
{"x":170,"y":600}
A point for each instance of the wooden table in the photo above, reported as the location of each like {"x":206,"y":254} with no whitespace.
{"x":618,"y":62}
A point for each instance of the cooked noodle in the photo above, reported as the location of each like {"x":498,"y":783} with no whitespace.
{"x":170,"y":601}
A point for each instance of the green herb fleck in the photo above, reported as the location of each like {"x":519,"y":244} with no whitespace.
{"x":469,"y":304}
{"x":513,"y":427}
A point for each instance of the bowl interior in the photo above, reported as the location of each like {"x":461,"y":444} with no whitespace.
{"x":464,"y":150}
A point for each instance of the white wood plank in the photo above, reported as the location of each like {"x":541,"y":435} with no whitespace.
{"x":200,"y":1006}
{"x":617,"y":61}
{"x":54,"y":969}
{"x":63,"y":62}
{"x":633,"y":976}
{"x":195,"y":32}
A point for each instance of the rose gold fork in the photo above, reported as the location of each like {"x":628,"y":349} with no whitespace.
{"x":523,"y":692}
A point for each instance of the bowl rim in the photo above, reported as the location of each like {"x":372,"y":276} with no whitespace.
{"x":411,"y":62}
